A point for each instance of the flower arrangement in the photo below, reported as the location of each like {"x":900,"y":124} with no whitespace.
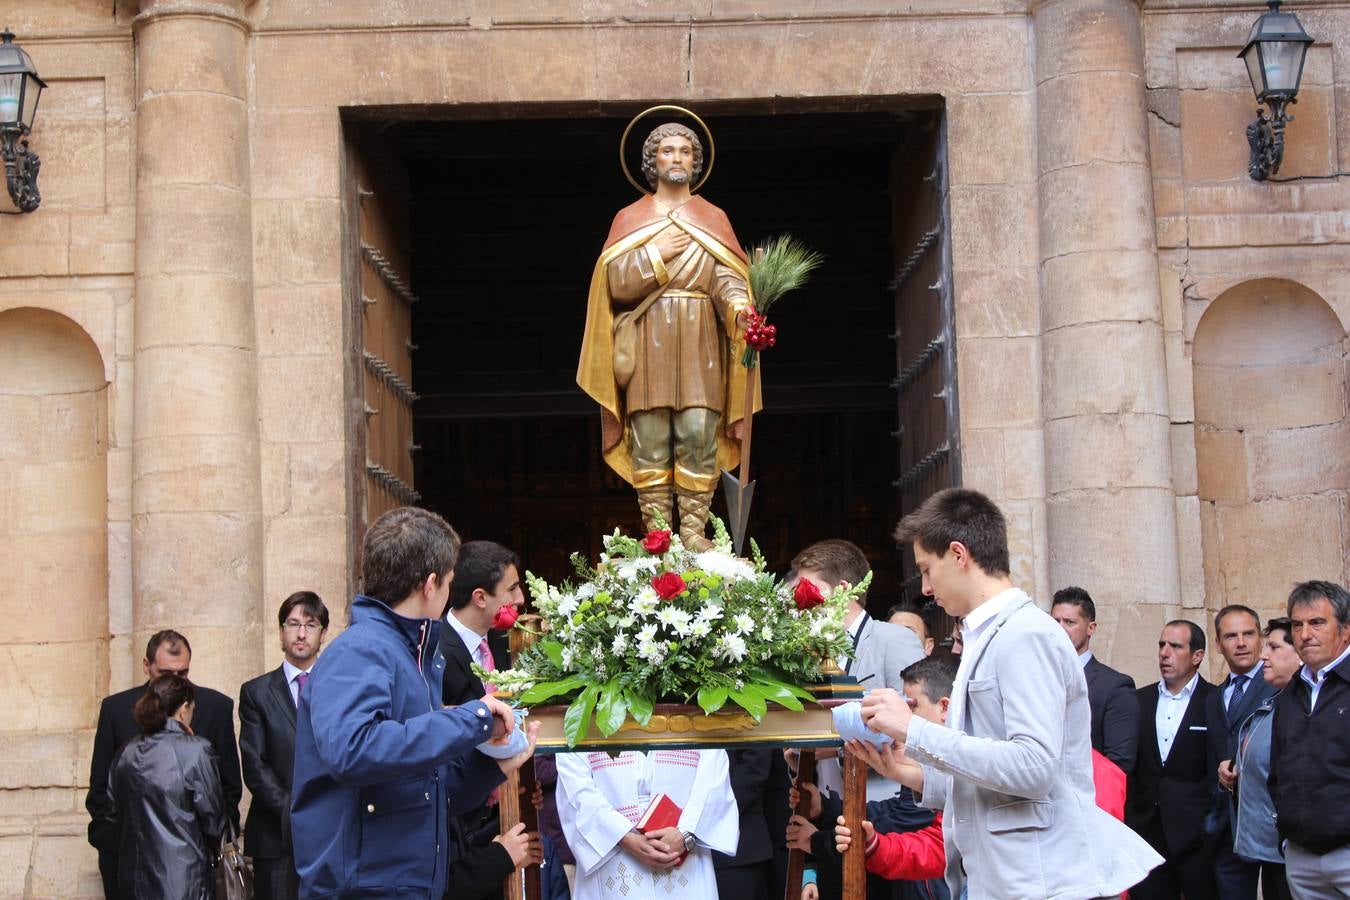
{"x":655,"y":621}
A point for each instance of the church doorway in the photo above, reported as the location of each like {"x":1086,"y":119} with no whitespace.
{"x":506,"y":212}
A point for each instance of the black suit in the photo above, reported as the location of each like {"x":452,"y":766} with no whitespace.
{"x":1115,"y":713}
{"x":747,"y":875}
{"x":267,"y":745}
{"x":1236,"y":878}
{"x":477,"y":866}
{"x":1168,"y":801}
{"x":213,"y":719}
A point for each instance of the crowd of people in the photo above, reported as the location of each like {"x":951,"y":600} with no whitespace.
{"x":1005,"y":760}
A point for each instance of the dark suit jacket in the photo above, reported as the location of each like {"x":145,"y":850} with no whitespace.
{"x":459,"y":685}
{"x":1179,"y":792}
{"x":1115,"y":713}
{"x":267,"y":745}
{"x":1223,"y":736}
{"x":213,"y":719}
{"x":750,"y":774}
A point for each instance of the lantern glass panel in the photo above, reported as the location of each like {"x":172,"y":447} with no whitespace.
{"x":11,"y":85}
{"x":29,"y":100}
{"x":1283,"y":63}
{"x":1252,"y":57}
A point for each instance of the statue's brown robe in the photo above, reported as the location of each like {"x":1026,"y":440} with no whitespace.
{"x":633,"y":226}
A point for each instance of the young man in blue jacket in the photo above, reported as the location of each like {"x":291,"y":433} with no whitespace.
{"x":380,"y":765}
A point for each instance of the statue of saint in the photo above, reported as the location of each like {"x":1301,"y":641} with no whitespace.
{"x":663,"y":343}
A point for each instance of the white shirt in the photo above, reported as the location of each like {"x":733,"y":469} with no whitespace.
{"x":1084,"y":658}
{"x":845,"y":661}
{"x":472,"y":639}
{"x":1315,"y":680}
{"x":1253,"y":677}
{"x":1171,"y":709}
{"x":292,"y":673}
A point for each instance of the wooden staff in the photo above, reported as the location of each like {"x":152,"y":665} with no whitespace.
{"x":855,"y":810}
{"x":806,"y":774}
{"x":517,"y":805}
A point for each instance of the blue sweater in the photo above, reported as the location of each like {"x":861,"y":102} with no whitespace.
{"x":379,"y":764}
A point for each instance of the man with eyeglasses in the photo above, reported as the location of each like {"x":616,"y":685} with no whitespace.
{"x":167,"y":652}
{"x":267,"y":707}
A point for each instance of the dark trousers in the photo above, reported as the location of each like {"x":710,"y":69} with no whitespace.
{"x":1234,"y":877}
{"x":275,"y":879}
{"x":747,"y":882}
{"x":107,"y":867}
{"x":1190,"y":874}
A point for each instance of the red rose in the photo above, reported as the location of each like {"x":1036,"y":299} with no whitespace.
{"x":806,"y":594}
{"x":656,"y":542}
{"x":669,"y":585}
{"x":506,"y":618}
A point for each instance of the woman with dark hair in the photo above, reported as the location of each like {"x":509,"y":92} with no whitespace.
{"x":166,"y":798}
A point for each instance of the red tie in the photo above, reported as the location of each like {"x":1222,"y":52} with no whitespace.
{"x":486,"y":661}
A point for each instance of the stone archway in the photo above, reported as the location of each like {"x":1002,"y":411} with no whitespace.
{"x":54,"y":551}
{"x":1272,"y":443}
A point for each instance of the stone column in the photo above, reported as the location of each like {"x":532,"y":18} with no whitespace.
{"x":196,"y":500}
{"x":1111,"y":516}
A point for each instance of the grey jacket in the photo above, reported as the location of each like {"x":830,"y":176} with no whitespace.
{"x":169,"y":811}
{"x":1255,"y":837}
{"x":1013,"y":775}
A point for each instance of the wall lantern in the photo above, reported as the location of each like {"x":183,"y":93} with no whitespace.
{"x":1274,"y":56}
{"x":20,"y":88}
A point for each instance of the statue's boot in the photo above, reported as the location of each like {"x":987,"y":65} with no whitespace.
{"x":658,"y":507}
{"x":694,"y":518}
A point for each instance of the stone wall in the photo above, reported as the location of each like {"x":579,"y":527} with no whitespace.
{"x":194,"y":159}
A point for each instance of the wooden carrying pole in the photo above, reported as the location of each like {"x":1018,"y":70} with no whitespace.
{"x":806,"y":774}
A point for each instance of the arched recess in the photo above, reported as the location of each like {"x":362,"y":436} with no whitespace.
{"x":53,"y":526}
{"x":1272,"y":441}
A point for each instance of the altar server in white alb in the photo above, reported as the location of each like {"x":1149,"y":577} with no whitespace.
{"x":1012,"y":768}
{"x":601,"y":800}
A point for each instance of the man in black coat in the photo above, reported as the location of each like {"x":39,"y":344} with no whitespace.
{"x":1238,"y":631}
{"x":267,"y":744}
{"x":1111,"y":694}
{"x":1172,"y":787}
{"x":212,"y":718}
{"x":748,"y":875}
{"x":486,"y":580}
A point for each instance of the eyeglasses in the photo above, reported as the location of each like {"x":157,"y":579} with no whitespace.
{"x":292,"y":625}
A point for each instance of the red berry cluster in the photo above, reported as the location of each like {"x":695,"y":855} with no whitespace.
{"x":758,"y":333}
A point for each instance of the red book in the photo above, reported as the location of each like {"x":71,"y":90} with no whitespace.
{"x":662,"y":812}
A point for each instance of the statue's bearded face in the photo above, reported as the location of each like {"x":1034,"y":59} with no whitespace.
{"x":675,"y":160}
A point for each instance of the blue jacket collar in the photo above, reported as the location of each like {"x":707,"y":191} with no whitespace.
{"x":411,"y":631}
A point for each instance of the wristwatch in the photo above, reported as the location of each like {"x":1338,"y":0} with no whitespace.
{"x":690,"y":842}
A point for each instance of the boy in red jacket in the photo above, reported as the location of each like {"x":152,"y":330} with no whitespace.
{"x":910,"y":855}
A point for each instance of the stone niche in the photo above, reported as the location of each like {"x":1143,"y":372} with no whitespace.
{"x":1272,"y":443}
{"x":53,"y":612}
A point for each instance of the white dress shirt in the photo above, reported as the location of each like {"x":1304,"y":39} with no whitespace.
{"x":291,"y":673}
{"x":1171,"y":709}
{"x":845,"y":661}
{"x":1315,"y":680}
{"x":472,"y":639}
{"x":1253,"y":676}
{"x":1084,"y":658}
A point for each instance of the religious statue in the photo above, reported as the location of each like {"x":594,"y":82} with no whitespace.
{"x":669,"y":302}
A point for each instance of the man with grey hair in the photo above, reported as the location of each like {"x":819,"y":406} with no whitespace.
{"x":661,"y":352}
{"x":1310,"y":746}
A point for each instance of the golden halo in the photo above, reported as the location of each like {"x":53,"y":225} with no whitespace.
{"x":707,"y":133}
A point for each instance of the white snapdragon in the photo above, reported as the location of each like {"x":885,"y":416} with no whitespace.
{"x":568,"y":656}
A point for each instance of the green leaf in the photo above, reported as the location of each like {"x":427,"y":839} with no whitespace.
{"x":553,"y":650}
{"x":779,"y":694}
{"x":548,"y":689}
{"x":577,"y":719}
{"x":639,"y":706}
{"x":611,"y":710}
{"x":712,"y":698}
{"x":794,"y":690}
{"x":751,"y":701}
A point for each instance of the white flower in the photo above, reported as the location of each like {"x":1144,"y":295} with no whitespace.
{"x":567,"y":656}
{"x":715,"y":562}
{"x":646,"y":634}
{"x":700,"y":628}
{"x":710,"y":613}
{"x":646,"y":601}
{"x":586,"y":591}
{"x":731,"y":647}
{"x":675,"y":619}
{"x":744,"y":624}
{"x":620,"y":644}
{"x":630,"y":569}
{"x":566,"y":606}
{"x":766,"y":633}
{"x":626,"y":622}
{"x":818,"y":625}
{"x":653,"y":651}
